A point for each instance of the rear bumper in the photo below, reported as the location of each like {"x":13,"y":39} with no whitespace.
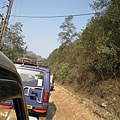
{"x":38,"y":109}
{"x":6,"y":106}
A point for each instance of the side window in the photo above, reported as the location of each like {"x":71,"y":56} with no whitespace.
{"x":40,"y":80}
{"x":31,"y":77}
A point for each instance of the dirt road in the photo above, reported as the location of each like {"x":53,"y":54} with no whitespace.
{"x":64,"y":106}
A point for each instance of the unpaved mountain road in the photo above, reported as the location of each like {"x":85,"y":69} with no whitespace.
{"x":64,"y":106}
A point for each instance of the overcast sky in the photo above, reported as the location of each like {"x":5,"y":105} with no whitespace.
{"x":41,"y":34}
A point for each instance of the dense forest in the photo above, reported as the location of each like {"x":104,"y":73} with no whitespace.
{"x":88,"y":63}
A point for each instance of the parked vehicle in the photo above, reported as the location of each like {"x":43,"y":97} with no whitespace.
{"x":51,"y":82}
{"x":36,"y":85}
{"x":11,"y":89}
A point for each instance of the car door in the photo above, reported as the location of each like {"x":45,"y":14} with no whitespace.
{"x":11,"y":89}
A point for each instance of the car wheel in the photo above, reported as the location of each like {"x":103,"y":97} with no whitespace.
{"x":42,"y":118}
{"x":51,"y":88}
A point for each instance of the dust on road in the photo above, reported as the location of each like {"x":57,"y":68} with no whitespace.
{"x":64,"y":106}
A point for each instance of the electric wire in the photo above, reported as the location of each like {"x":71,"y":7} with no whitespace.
{"x":20,"y":8}
{"x":15,"y":4}
{"x":2,"y":1}
{"x":51,"y":16}
{"x":4,"y":4}
{"x":75,"y":15}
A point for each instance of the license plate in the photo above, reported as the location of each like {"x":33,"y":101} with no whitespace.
{"x":29,"y":106}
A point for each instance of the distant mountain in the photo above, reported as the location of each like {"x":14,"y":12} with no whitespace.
{"x":30,"y":53}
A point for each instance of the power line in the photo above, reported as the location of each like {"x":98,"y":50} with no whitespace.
{"x":1,"y":1}
{"x":51,"y":16}
{"x":4,"y":4}
{"x":20,"y":7}
{"x":76,"y":15}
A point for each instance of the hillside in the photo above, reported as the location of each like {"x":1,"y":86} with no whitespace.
{"x":89,"y":66}
{"x":30,"y":53}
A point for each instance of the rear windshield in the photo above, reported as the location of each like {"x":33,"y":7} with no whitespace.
{"x":31,"y":77}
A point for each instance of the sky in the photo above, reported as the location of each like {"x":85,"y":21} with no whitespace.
{"x":41,"y":34}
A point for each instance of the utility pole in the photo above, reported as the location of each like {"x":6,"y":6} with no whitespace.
{"x":5,"y":22}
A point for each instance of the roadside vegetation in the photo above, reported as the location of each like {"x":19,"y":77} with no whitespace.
{"x":88,"y":62}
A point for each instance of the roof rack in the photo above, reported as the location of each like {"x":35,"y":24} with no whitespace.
{"x":28,"y":61}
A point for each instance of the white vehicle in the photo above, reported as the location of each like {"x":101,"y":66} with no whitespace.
{"x":51,"y":82}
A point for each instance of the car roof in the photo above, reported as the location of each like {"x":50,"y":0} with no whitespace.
{"x":30,"y":63}
{"x":32,"y":67}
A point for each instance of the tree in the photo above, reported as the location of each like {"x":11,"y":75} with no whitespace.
{"x":69,"y":31}
{"x":100,"y":4}
{"x":13,"y":44}
{"x":108,"y":53}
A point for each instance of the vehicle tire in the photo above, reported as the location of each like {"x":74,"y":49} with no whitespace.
{"x":51,"y":89}
{"x":42,"y":118}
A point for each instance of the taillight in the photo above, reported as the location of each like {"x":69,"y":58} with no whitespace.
{"x":46,"y":96}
